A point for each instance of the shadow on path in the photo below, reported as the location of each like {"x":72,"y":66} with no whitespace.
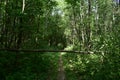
{"x":61,"y":72}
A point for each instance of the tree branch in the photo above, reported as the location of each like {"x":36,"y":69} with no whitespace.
{"x":40,"y":50}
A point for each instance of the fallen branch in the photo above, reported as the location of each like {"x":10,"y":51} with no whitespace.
{"x":40,"y":50}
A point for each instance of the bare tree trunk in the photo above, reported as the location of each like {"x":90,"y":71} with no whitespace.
{"x":88,"y":29}
{"x":23,"y":6}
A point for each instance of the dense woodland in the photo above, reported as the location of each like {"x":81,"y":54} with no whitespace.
{"x":59,"y":39}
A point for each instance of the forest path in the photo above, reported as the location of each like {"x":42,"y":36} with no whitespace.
{"x":61,"y":72}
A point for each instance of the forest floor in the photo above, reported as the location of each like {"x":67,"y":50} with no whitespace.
{"x":61,"y":71}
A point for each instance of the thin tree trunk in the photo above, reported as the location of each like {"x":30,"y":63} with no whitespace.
{"x":23,"y":6}
{"x":88,"y":30}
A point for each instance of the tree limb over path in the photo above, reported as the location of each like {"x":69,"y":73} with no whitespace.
{"x":45,"y":50}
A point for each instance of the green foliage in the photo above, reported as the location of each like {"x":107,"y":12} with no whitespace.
{"x":85,"y":25}
{"x":28,"y":66}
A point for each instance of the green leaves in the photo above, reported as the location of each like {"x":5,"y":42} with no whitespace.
{"x":87,"y":25}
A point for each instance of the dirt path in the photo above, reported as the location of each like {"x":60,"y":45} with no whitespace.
{"x":61,"y":72}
